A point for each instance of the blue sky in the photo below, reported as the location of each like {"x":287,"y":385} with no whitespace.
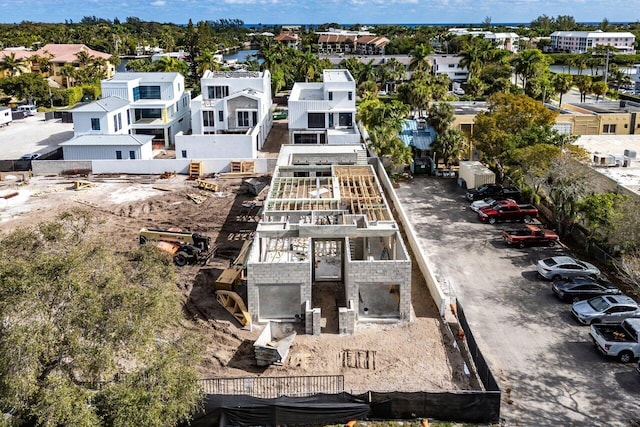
{"x":319,"y":11}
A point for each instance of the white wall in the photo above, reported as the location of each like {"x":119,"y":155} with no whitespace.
{"x":216,"y":146}
{"x":181,"y":166}
{"x":92,"y":152}
{"x":298,"y":112}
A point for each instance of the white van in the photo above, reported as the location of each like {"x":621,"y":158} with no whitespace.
{"x":31,"y":110}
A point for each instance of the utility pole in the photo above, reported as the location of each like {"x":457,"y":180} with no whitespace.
{"x":606,"y":68}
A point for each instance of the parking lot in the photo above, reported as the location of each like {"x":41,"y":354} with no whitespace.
{"x":32,"y":135}
{"x":549,"y":371}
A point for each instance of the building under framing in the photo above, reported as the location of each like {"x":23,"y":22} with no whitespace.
{"x":327,"y":250}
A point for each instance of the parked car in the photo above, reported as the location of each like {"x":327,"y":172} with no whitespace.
{"x":507,"y":210}
{"x":578,"y":288}
{"x":610,"y":309}
{"x":478,"y":204}
{"x":621,"y":341}
{"x":30,"y":156}
{"x":557,"y":267}
{"x":530,"y":235}
{"x":494,"y":191}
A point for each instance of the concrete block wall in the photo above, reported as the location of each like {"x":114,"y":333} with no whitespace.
{"x":298,"y":273}
{"x":347,"y":319}
{"x":394,"y":272}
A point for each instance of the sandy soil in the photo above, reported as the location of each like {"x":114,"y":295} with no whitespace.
{"x":419,"y":355}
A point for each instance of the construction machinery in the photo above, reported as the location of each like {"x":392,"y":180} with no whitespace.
{"x":186,"y":247}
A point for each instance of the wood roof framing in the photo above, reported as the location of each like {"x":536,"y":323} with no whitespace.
{"x":360,"y":193}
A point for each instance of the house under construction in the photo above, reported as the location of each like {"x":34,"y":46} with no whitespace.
{"x":327,"y":250}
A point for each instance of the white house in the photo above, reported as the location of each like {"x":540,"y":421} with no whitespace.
{"x":506,"y":41}
{"x":104,"y":116}
{"x":324,"y":113}
{"x":231,"y":118}
{"x":108,"y":147}
{"x":450,"y":66}
{"x":582,"y":41}
{"x":158,"y":103}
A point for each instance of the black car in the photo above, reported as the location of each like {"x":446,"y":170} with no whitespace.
{"x":495,"y":191}
{"x":579,"y":288}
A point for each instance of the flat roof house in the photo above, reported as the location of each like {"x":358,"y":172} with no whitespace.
{"x":324,"y":113}
{"x":582,"y":41}
{"x":158,"y":103}
{"x":327,"y":245}
{"x":231,"y":118}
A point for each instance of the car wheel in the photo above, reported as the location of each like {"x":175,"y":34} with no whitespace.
{"x":180,"y":259}
{"x":625,"y":356}
{"x":492,"y":220}
{"x":556,"y":277}
{"x":143,"y":240}
{"x":521,"y":245}
{"x":528,"y":219}
{"x":551,"y":243}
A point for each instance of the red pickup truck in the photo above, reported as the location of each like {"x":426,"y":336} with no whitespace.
{"x":507,"y":210}
{"x":529,"y":235}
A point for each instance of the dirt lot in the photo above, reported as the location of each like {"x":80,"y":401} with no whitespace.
{"x":416,"y":356}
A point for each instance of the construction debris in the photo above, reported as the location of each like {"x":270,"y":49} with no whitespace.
{"x":233,"y":303}
{"x":160,"y":188}
{"x":243,"y":166}
{"x":197,"y":198}
{"x":82,"y":185}
{"x":196,"y":169}
{"x":10,"y":195}
{"x":254,"y":186}
{"x":273,"y":344}
{"x":15,"y":176}
{"x":204,"y":185}
{"x":167,"y":175}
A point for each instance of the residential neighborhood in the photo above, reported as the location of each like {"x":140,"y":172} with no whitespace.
{"x":433,"y":224}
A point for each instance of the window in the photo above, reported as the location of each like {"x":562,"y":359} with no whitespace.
{"x":115,"y":123}
{"x":119,"y":120}
{"x":254,"y":117}
{"x":243,"y":119}
{"x":148,"y":113}
{"x":208,"y":118}
{"x":609,"y":128}
{"x":132,"y":155}
{"x":184,"y":154}
{"x":330,"y":120}
{"x":350,"y":96}
{"x":128,"y":117}
{"x":315,"y":120}
{"x":146,"y":92}
{"x":345,"y":119}
{"x":217,"y":92}
{"x":221,"y":116}
{"x":95,"y":124}
{"x":330,"y":96}
{"x":118,"y":155}
{"x":305,"y":138}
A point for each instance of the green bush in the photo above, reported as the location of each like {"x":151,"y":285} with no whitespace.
{"x":73,"y":95}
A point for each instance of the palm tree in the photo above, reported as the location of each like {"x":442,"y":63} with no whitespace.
{"x":43,"y":62}
{"x":168,"y":64}
{"x":83,"y":58}
{"x":562,"y":84}
{"x":206,"y":61}
{"x":394,"y":70}
{"x":529,"y":64}
{"x":448,"y":145}
{"x":599,"y":88}
{"x":419,"y":58}
{"x":12,"y":64}
{"x":440,"y":116}
{"x":584,"y":86}
{"x":473,"y":53}
{"x":353,"y":65}
{"x":68,"y":71}
{"x":308,"y":63}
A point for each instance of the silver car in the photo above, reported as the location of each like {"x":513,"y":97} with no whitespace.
{"x":605,"y":309}
{"x":558,"y":267}
{"x":478,"y":204}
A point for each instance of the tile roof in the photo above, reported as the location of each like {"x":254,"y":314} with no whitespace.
{"x":67,"y":52}
{"x":286,"y":37}
{"x":336,"y":38}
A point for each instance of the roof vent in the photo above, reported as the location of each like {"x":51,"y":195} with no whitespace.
{"x":630,"y":154}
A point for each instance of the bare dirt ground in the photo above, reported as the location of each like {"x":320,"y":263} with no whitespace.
{"x":419,"y":355}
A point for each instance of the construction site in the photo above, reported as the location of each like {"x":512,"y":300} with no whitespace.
{"x":311,"y":255}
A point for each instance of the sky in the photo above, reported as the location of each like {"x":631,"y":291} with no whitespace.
{"x":319,"y":11}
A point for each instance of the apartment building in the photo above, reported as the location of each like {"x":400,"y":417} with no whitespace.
{"x":324,"y":113}
{"x":582,"y":41}
{"x":449,"y":65}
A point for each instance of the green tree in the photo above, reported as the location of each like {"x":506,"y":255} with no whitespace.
{"x":512,"y":121}
{"x":420,"y":58}
{"x":599,"y":88}
{"x":562,"y":84}
{"x":206,"y":61}
{"x":167,"y":64}
{"x":89,"y":335}
{"x":448,"y":145}
{"x":584,"y":86}
{"x":25,"y":86}
{"x":12,"y":64}
{"x":440,"y":117}
{"x":529,"y":64}
{"x":533,"y":163}
{"x":599,"y":211}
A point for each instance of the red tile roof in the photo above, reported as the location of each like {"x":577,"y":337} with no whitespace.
{"x":335,"y":38}
{"x":286,"y":37}
{"x":67,"y":52}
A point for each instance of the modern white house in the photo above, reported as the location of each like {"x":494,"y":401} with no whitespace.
{"x":108,"y":147}
{"x":106,"y":116}
{"x":158,"y":103}
{"x":231,"y":118}
{"x":506,"y":41}
{"x":582,"y":41}
{"x":450,"y":66}
{"x":324,"y":113}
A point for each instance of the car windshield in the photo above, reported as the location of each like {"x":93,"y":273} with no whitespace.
{"x":598,"y":304}
{"x":550,"y":262}
{"x":582,"y":264}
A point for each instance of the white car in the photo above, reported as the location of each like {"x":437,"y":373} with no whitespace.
{"x":458,"y":91}
{"x":479,"y":204}
{"x":563,"y":266}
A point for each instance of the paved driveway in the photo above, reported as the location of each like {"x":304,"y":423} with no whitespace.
{"x":549,"y":371}
{"x":32,"y":135}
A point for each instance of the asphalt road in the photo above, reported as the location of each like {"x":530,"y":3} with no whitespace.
{"x":32,"y":135}
{"x":549,"y":371}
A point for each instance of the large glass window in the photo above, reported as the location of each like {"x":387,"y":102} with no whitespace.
{"x":148,"y":113}
{"x":243,"y":119}
{"x":315,"y":120}
{"x":345,"y":119}
{"x":95,"y":124}
{"x":217,"y":92}
{"x":146,"y":92}
{"x":305,"y":138}
{"x":208,"y":118}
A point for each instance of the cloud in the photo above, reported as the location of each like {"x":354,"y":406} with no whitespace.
{"x":159,"y":3}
